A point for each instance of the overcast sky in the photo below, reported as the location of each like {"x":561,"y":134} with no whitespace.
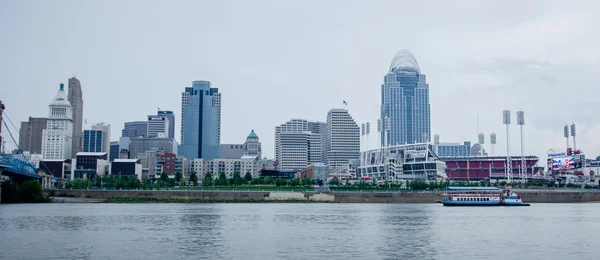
{"x":277,"y":60}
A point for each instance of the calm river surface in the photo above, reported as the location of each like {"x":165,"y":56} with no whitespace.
{"x":298,"y":231}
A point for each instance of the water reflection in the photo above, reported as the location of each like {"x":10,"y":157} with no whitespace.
{"x":297,"y":231}
{"x":200,"y":230}
{"x":405,"y":232}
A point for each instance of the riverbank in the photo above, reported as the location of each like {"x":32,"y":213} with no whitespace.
{"x":138,"y":196}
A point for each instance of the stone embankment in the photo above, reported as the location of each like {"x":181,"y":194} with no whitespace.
{"x":529,"y":196}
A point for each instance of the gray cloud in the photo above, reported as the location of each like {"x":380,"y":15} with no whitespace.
{"x":276,"y":60}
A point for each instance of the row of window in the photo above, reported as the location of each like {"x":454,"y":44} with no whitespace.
{"x":473,"y":199}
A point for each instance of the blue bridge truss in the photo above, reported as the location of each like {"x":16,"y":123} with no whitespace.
{"x":14,"y":166}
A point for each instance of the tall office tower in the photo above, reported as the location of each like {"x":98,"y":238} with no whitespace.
{"x":252,"y":147}
{"x":93,"y":141}
{"x":30,"y":134}
{"x":201,"y":121}
{"x":320,"y":128}
{"x":171,"y":117}
{"x":405,"y":101}
{"x":158,"y":126}
{"x":135,"y":129}
{"x":57,"y":138}
{"x":295,"y":146}
{"x":343,"y":137}
{"x":76,"y":100}
{"x":105,"y":128}
{"x":114,"y":150}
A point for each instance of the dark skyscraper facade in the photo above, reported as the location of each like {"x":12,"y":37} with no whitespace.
{"x":75,"y":97}
{"x":135,"y":129}
{"x":405,"y":101}
{"x":169,"y":115}
{"x":30,"y":134}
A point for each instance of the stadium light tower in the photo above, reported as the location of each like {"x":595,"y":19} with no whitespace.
{"x":573,"y":134}
{"x":521,"y":123}
{"x":566,"y":134}
{"x":492,"y":143}
{"x":506,"y":121}
{"x":367,"y":133}
{"x":362,"y":136}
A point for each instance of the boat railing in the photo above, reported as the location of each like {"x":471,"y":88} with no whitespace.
{"x":472,"y":195}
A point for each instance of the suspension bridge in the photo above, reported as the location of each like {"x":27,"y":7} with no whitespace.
{"x":14,"y":165}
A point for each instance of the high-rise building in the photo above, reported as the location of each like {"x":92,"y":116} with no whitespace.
{"x":295,"y":146}
{"x":201,"y":121}
{"x":453,"y":149}
{"x":30,"y":134}
{"x":252,"y":147}
{"x":57,"y":138}
{"x":405,"y":101}
{"x":232,"y":151}
{"x":76,"y":100}
{"x":140,"y":145}
{"x":320,"y":128}
{"x":135,"y":129}
{"x":343,"y":139}
{"x":93,"y":141}
{"x":105,"y":128}
{"x":158,"y":126}
{"x":171,"y":117}
{"x":114,"y":150}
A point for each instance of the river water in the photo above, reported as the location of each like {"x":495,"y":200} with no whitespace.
{"x":298,"y":231}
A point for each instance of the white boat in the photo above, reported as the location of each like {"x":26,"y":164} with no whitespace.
{"x":481,"y":196}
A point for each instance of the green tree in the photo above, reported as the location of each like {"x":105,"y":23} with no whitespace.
{"x":182,"y":182}
{"x":433,"y":185}
{"x":268,"y":180}
{"x":134,"y":183}
{"x":98,"y":181}
{"x":248,"y":177}
{"x":178,"y":176}
{"x":334,"y":182}
{"x":237,"y":179}
{"x":30,"y":191}
{"x":279,"y":181}
{"x":309,"y":181}
{"x":145,"y":183}
{"x":222,"y":180}
{"x":164,"y":177}
{"x":347,"y":181}
{"x":386,"y":184}
{"x":194,"y":178}
{"x":319,"y":182}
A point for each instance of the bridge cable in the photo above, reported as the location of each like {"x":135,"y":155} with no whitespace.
{"x":19,"y":150}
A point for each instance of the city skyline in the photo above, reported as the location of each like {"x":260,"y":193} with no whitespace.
{"x":463,"y":80}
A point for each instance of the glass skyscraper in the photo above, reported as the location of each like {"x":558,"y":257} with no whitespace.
{"x":405,"y":101}
{"x":93,"y":141}
{"x":201,"y":122}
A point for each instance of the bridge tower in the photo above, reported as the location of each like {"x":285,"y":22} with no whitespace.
{"x":1,"y":112}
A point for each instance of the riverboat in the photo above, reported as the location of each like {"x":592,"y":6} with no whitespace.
{"x":481,"y":196}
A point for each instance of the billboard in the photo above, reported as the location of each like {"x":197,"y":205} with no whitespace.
{"x":563,"y":163}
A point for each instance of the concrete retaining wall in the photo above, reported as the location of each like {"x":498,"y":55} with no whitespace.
{"x":336,"y":197}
